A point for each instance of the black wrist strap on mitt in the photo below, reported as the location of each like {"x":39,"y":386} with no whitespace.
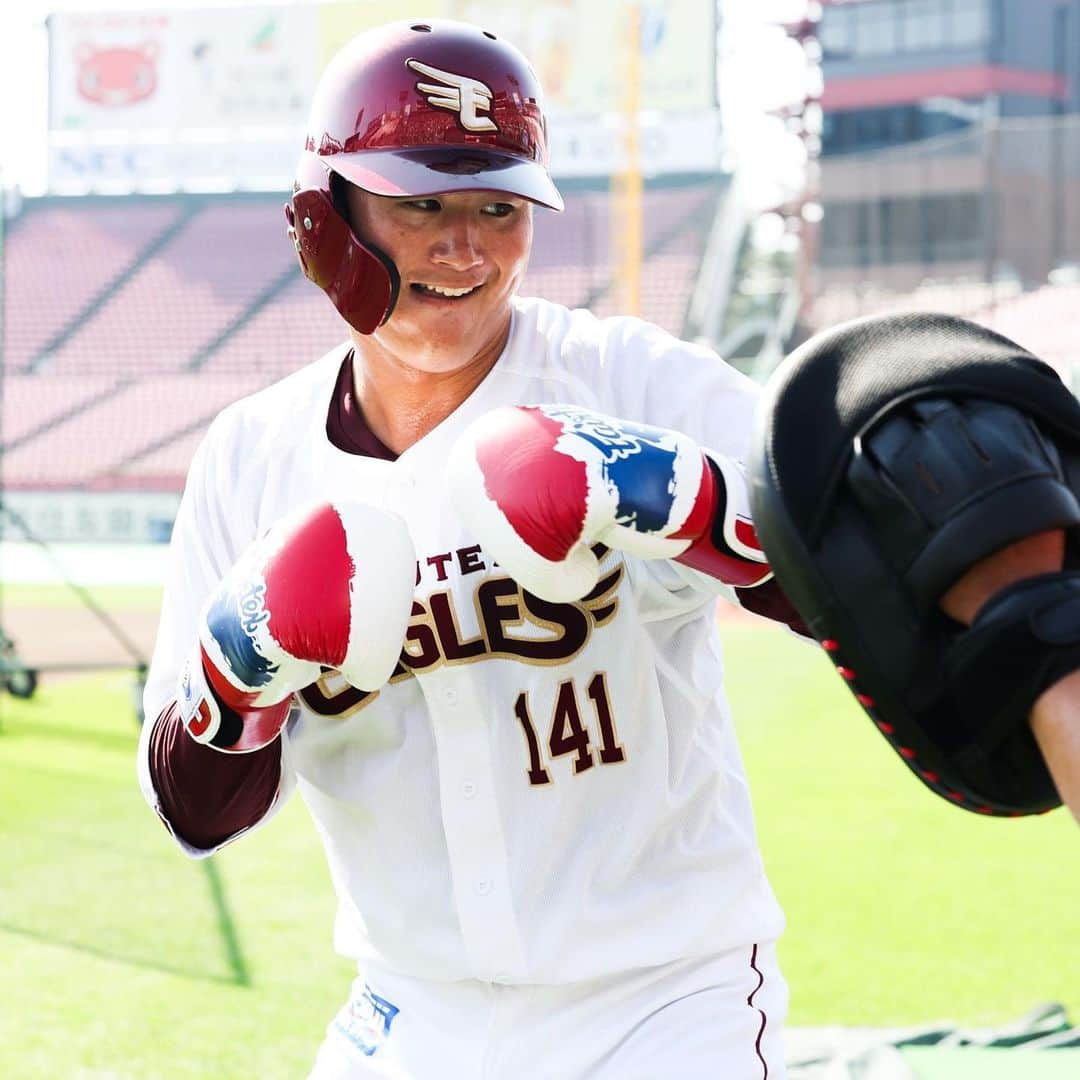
{"x":1023,"y":640}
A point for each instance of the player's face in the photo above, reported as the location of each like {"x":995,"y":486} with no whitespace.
{"x":461,"y":257}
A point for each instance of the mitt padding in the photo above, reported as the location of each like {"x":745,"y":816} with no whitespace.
{"x":890,"y":455}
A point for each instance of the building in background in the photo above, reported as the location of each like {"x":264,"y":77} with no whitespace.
{"x":948,"y":148}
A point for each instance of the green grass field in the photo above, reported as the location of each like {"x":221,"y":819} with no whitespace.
{"x":901,"y":908}
{"x":122,"y":959}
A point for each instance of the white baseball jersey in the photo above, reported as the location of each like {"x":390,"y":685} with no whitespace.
{"x":542,"y":793}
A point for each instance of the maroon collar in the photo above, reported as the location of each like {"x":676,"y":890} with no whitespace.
{"x":346,"y":427}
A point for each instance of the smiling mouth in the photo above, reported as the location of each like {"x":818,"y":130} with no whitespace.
{"x":444,"y":292}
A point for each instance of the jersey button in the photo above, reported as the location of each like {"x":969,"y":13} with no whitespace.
{"x":468,"y":789}
{"x":484,"y":886}
{"x":450,"y":696}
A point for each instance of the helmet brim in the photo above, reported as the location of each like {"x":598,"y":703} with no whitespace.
{"x":437,"y":171}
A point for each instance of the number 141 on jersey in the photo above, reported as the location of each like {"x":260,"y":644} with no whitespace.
{"x":569,"y":735}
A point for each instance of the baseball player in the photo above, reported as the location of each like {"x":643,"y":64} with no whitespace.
{"x":454,"y":582}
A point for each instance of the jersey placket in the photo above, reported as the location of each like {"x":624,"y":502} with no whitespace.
{"x":473,"y":828}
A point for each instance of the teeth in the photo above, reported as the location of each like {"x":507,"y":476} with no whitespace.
{"x":440,"y":290}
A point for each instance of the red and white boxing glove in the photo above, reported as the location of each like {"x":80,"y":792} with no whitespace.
{"x":540,"y":485}
{"x":329,"y":586}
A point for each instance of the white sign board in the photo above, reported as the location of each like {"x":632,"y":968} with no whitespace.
{"x":212,"y":99}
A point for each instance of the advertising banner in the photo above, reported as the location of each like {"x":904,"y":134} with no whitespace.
{"x":578,"y":49}
{"x":576,"y":46}
{"x":176,"y":70}
{"x":216,"y":98}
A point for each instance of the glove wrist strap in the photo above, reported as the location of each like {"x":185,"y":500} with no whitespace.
{"x":226,"y":725}
{"x":725,"y":546}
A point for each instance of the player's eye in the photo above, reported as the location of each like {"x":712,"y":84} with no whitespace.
{"x":499,"y":209}
{"x":428,"y":206}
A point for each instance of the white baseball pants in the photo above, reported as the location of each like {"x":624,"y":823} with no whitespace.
{"x":719,"y":1018}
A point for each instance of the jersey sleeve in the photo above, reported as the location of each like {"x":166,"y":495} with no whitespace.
{"x":207,"y":798}
{"x":215,"y":521}
{"x":650,"y":376}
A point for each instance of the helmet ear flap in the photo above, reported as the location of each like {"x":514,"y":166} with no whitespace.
{"x":361,"y":281}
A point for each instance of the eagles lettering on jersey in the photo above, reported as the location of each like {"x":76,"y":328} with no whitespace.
{"x":511,"y":624}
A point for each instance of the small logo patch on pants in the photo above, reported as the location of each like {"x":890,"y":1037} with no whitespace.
{"x":366,"y":1021}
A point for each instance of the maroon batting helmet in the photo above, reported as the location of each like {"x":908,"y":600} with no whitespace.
{"x":412,"y":109}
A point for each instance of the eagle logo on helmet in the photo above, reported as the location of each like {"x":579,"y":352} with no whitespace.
{"x":467,"y":97}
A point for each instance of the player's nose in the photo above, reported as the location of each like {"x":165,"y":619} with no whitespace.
{"x":458,"y":245}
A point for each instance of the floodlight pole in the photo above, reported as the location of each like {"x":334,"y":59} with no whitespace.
{"x":626,"y":182}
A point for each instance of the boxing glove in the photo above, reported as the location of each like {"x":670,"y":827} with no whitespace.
{"x":541,"y":485}
{"x":330,"y":586}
